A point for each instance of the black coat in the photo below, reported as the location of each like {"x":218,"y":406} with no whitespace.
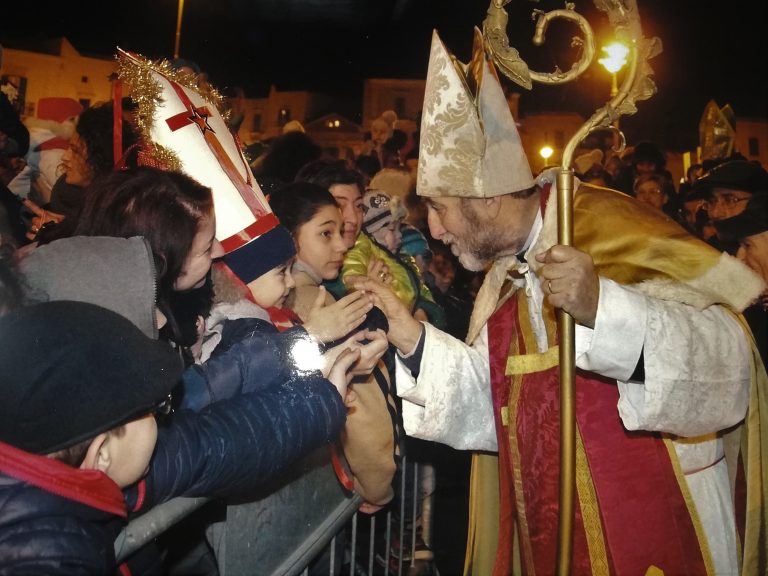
{"x":232,"y":447}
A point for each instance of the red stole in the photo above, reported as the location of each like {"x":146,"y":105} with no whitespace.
{"x":630,"y":512}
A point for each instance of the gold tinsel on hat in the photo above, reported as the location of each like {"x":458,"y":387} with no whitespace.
{"x":137,"y":73}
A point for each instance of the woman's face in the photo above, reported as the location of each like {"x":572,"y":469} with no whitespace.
{"x":77,"y":169}
{"x":204,"y":249}
{"x":651,"y":193}
{"x":753,"y":251}
{"x":320,"y":243}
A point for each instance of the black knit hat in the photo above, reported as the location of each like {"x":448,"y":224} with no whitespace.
{"x":71,"y":370}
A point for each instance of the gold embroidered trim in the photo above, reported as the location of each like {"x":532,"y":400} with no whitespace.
{"x":700,"y":534}
{"x":516,"y":382}
{"x":590,"y":512}
{"x":530,"y":363}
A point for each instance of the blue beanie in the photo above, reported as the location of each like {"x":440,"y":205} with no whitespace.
{"x":262,"y":254}
{"x":414,"y":242}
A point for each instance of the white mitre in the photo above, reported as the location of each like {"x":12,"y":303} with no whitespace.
{"x":188,"y":132}
{"x":469,"y":143}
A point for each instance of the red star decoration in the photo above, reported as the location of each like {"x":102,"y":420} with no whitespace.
{"x":193,"y":115}
{"x":200,"y":118}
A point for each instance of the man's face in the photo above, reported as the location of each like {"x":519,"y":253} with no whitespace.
{"x":753,"y":251}
{"x":725,"y":203}
{"x":350,"y":200}
{"x":690,"y":210}
{"x":473,"y":237}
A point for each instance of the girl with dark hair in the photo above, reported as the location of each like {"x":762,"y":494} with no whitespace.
{"x":313,"y":217}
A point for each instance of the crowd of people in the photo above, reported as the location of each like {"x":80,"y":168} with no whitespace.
{"x":146,"y":355}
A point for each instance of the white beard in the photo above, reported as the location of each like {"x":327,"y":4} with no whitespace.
{"x":468,"y":260}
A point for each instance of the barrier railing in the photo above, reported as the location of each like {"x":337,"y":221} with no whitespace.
{"x":306,"y":523}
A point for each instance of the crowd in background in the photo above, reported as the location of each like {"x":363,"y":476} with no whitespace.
{"x":68,"y":232}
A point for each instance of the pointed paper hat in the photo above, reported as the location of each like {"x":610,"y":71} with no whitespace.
{"x":469,"y":144}
{"x":185,"y":130}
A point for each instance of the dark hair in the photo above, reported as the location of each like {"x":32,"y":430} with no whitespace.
{"x":368,"y":165}
{"x":649,"y":152}
{"x":95,"y":128}
{"x":295,"y":204}
{"x":326,"y":173}
{"x":72,"y":455}
{"x":163,"y":206}
{"x":656,"y":177}
{"x":287,"y":154}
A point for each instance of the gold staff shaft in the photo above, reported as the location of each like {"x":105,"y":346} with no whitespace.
{"x":179,"y":15}
{"x":565,"y":321}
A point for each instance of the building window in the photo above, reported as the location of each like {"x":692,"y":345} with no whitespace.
{"x":284,"y":116}
{"x":256,"y":122}
{"x":400,"y":106}
{"x":754,"y":147}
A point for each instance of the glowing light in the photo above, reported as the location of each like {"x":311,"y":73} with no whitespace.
{"x":546,"y":152}
{"x":306,"y":354}
{"x":616,"y":57}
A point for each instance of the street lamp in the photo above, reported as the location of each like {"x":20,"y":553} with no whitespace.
{"x":546,"y":153}
{"x":178,"y":29}
{"x":613,"y":62}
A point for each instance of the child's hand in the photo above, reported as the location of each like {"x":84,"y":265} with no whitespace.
{"x":341,"y":375}
{"x":371,"y":352}
{"x":329,"y":323}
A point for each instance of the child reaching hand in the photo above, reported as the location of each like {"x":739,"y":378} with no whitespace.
{"x":256,"y":310}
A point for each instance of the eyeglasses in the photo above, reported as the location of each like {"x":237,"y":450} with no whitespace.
{"x":649,"y":192}
{"x":729,"y":200}
{"x":164,"y":407}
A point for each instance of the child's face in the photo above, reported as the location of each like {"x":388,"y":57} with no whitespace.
{"x":272,"y":288}
{"x":320,"y":243}
{"x":204,"y":249}
{"x":390,"y":236}
{"x":130,"y":450}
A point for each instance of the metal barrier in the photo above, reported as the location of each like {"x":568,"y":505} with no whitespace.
{"x":308,"y":524}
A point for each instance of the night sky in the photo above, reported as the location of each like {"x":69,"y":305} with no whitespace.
{"x":710,"y":50}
